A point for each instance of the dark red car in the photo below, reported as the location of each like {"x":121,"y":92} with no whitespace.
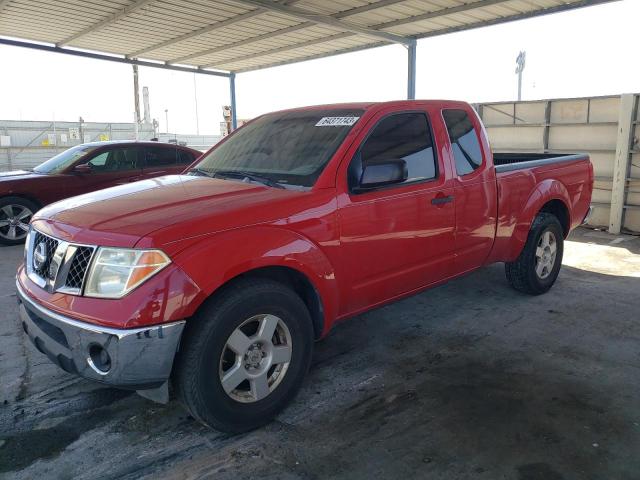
{"x":82,"y":169}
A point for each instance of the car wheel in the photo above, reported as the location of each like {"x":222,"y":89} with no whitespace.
{"x":537,"y":268}
{"x":15,"y":215}
{"x":244,"y":355}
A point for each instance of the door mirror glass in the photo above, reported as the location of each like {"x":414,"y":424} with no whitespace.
{"x":383,"y":173}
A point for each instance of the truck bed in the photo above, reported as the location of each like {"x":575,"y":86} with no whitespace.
{"x":522,"y":178}
{"x":507,"y":162}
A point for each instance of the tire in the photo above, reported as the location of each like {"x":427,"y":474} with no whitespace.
{"x":533,"y":272}
{"x":15,"y":215}
{"x":205,"y":352}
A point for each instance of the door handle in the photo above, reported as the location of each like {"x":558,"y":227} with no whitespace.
{"x":442,"y":200}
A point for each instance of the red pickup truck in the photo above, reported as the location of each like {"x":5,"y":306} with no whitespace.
{"x":219,"y":280}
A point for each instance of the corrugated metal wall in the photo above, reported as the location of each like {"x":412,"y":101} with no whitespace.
{"x":577,"y":125}
{"x":32,"y":142}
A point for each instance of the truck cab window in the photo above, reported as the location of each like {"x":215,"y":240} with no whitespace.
{"x":464,"y":141}
{"x":403,"y":136}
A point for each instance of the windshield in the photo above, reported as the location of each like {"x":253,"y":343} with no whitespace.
{"x":63,"y":160}
{"x":288,"y":148}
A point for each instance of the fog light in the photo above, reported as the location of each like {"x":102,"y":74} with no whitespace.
{"x":99,"y":359}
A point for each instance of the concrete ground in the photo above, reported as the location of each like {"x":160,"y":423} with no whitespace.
{"x":469,"y":380}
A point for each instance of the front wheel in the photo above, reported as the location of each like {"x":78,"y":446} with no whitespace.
{"x":537,"y":268}
{"x":15,"y":215}
{"x":244,"y":356}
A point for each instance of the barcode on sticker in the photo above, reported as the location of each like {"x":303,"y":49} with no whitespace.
{"x":337,"y":121}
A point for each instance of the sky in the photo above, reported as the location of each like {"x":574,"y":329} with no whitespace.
{"x":584,"y":52}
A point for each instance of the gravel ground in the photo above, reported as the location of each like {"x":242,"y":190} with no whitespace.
{"x":468,"y":380}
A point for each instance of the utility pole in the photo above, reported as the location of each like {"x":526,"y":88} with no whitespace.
{"x":166,"y":118}
{"x":195,"y":98}
{"x":136,"y":94}
{"x":520,"y":61}
{"x":80,"y":132}
{"x":145,"y":103}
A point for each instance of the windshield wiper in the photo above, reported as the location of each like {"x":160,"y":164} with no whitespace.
{"x":201,"y":172}
{"x":251,"y":176}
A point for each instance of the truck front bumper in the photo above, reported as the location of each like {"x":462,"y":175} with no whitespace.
{"x":137,"y":359}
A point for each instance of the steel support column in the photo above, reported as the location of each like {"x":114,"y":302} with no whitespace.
{"x":411,"y":70}
{"x":621,"y":162}
{"x":232,"y":88}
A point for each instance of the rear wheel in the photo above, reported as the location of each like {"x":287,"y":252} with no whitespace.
{"x":15,"y":215}
{"x":537,"y":268}
{"x":244,"y":356}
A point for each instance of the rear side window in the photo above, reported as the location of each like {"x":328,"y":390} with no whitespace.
{"x":464,"y":141}
{"x":404,"y":136}
{"x":161,"y":157}
{"x":185,"y":158}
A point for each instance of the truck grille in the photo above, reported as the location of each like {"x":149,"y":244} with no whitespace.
{"x":42,"y":270}
{"x":56,"y":265}
{"x":79,"y":267}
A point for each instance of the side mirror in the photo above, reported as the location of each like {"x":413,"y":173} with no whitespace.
{"x":82,"y":168}
{"x":381,"y":174}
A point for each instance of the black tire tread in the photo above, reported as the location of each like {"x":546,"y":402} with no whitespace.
{"x":185,"y":381}
{"x":518,"y":272}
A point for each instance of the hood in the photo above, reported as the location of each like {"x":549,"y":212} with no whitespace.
{"x":167,"y":209}
{"x":18,"y":174}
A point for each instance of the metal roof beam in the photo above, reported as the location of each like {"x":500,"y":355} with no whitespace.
{"x":257,"y":38}
{"x":100,"y":56}
{"x":435,"y":33}
{"x":107,"y":21}
{"x":440,"y":13}
{"x":319,"y":19}
{"x":201,"y":31}
{"x":435,"y":13}
{"x":206,"y":29}
{"x":316,"y":56}
{"x":512,"y":18}
{"x":284,"y":31}
{"x":308,"y":43}
{"x":425,"y":16}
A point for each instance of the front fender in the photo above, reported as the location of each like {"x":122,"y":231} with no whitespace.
{"x":216,"y":259}
{"x":544,"y":192}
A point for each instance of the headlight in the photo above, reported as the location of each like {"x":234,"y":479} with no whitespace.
{"x":117,"y":271}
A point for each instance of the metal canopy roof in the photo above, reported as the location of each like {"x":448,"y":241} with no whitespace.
{"x":243,"y":35}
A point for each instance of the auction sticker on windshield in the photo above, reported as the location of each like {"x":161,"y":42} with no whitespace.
{"x":337,"y":121}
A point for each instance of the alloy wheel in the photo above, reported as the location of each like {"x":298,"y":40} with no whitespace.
{"x":546,"y":254}
{"x":14,"y":221}
{"x":255,"y":358}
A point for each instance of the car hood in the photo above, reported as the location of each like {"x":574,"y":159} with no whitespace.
{"x":164,"y":210}
{"x":18,"y":175}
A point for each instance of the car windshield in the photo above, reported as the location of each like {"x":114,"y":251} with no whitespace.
{"x":281,"y":149}
{"x":63,"y":160}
